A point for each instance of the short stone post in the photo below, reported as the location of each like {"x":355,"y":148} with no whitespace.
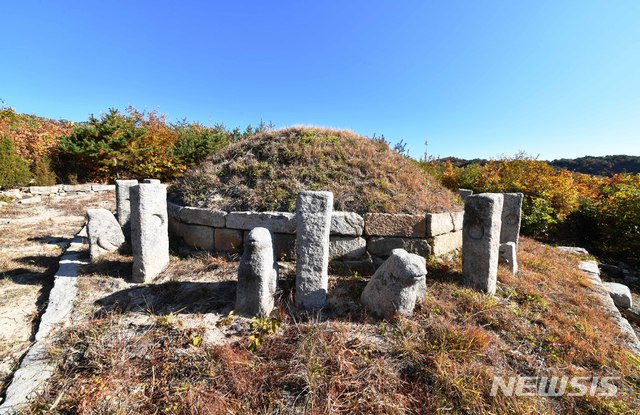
{"x":257,"y":275}
{"x":123,"y":206}
{"x":104,"y":233}
{"x":149,"y":231}
{"x":397,"y":285}
{"x":511,"y":217}
{"x":481,"y":241}
{"x":463,"y":193}
{"x":313,"y":219}
{"x":508,"y":256}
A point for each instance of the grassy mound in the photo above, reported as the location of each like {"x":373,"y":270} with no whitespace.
{"x":266,"y":172}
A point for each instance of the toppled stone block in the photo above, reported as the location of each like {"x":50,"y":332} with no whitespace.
{"x":508,"y":256}
{"x":104,"y":233}
{"x":44,"y":190}
{"x":123,"y":205}
{"x":446,"y":243}
{"x":279,"y":222}
{"x":103,"y":187}
{"x":76,"y":188}
{"x":30,"y":200}
{"x":199,"y":216}
{"x":257,"y":275}
{"x":511,"y":217}
{"x":382,"y":246}
{"x":481,"y":241}
{"x":397,"y":285}
{"x":198,"y":236}
{"x":620,"y":294}
{"x":347,"y":248}
{"x":347,"y":224}
{"x":228,"y":241}
{"x":313,"y":215}
{"x":149,"y":231}
{"x":439,"y":223}
{"x":395,"y":224}
{"x":463,"y":193}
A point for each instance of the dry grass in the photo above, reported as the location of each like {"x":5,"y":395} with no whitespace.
{"x":441,"y":360}
{"x":32,"y":238}
{"x":266,"y":172}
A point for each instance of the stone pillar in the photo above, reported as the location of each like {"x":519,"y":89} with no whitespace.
{"x":481,"y":241}
{"x":257,"y":275}
{"x":123,"y":206}
{"x":104,"y":233}
{"x":313,"y":221}
{"x":463,"y":193}
{"x":397,"y":285}
{"x":508,"y":256}
{"x":511,"y":217}
{"x":149,"y":230}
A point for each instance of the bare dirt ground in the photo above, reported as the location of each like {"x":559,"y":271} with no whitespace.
{"x":32,"y":238}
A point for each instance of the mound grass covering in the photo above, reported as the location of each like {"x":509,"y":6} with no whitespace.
{"x":265,"y":172}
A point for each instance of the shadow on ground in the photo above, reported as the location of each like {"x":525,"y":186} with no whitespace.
{"x":177,"y":297}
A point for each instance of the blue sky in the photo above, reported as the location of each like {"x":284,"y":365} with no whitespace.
{"x":475,"y":78}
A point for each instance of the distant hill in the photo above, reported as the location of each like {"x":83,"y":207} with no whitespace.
{"x":600,"y":166}
{"x":597,"y":166}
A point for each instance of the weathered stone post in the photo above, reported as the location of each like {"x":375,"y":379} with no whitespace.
{"x":481,"y":241}
{"x":397,"y":285}
{"x":463,"y":193}
{"x":104,"y":233}
{"x":149,"y":230}
{"x":511,"y":217}
{"x":508,"y":256}
{"x":313,"y":219}
{"x":123,"y":206}
{"x":257,"y":275}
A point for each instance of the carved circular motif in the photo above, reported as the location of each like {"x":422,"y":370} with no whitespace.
{"x":476,"y":231}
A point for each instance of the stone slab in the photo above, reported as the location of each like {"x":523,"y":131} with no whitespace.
{"x":620,"y":294}
{"x":198,"y":236}
{"x":439,"y":223}
{"x":345,"y":248}
{"x":278,"y":222}
{"x":381,"y":246}
{"x":347,"y":224}
{"x":103,"y":187}
{"x":446,"y":243}
{"x":200,"y":216}
{"x":394,"y":224}
{"x":44,"y":190}
{"x":228,"y":241}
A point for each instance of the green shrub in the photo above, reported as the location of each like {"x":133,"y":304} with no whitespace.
{"x":42,"y":173}
{"x":196,"y":142}
{"x":538,"y":216}
{"x":14,"y":170}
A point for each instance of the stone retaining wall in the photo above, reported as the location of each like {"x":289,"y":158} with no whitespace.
{"x":355,"y":240}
